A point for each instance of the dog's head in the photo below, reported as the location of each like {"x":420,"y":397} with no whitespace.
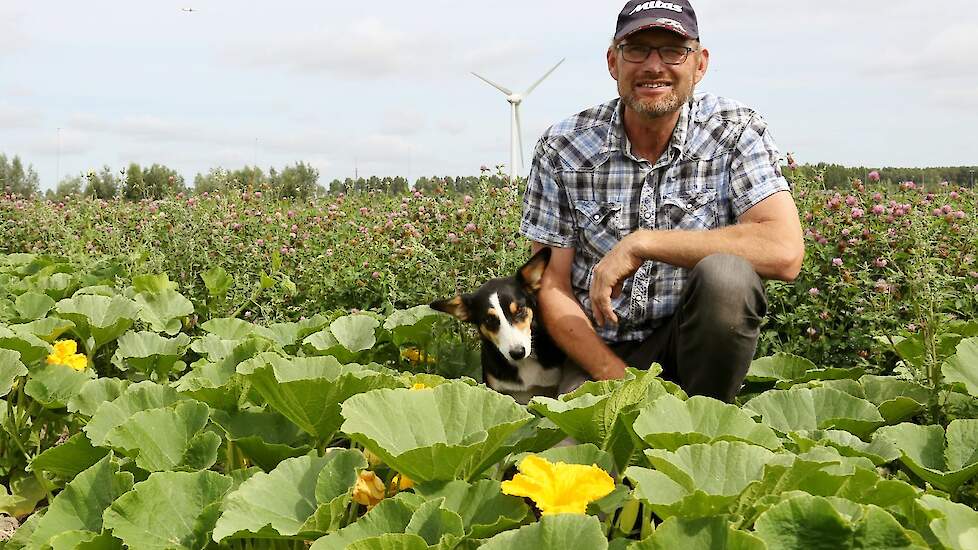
{"x":503,"y":309}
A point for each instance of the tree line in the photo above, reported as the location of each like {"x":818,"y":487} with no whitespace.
{"x":301,"y":181}
{"x":838,"y":176}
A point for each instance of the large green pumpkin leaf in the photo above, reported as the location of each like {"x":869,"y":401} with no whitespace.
{"x":281,"y":503}
{"x":287,"y":335}
{"x":29,"y":347}
{"x":699,"y":534}
{"x":806,"y":521}
{"x":33,"y":305}
{"x":170,"y":510}
{"x":698,"y":480}
{"x":137,"y":397}
{"x":98,"y":318}
{"x":441,"y":433}
{"x":962,"y":367}
{"x":955,"y":525}
{"x":265,"y":437}
{"x":213,"y":347}
{"x":170,"y":438}
{"x":391,"y":541}
{"x":10,"y":369}
{"x":814,"y":409}
{"x":149,"y":353}
{"x":896,"y":399}
{"x":94,"y":393}
{"x":68,"y":459}
{"x":669,"y":423}
{"x":411,"y":326}
{"x":603,"y":413}
{"x":82,"y":502}
{"x":945,"y":460}
{"x":484,"y":510}
{"x":780,"y":366}
{"x":48,"y":329}
{"x":220,"y":384}
{"x":559,"y":532}
{"x":309,"y":390}
{"x":391,"y":515}
{"x":85,"y":540}
{"x":163,"y":310}
{"x":879,"y":450}
{"x":53,"y":385}
{"x":229,"y":328}
{"x":355,"y":332}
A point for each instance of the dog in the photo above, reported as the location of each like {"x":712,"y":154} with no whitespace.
{"x":519,"y":358}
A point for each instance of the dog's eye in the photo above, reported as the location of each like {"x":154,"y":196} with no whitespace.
{"x":492,"y":323}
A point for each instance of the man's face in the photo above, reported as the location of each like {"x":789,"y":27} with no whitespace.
{"x":653,"y":88}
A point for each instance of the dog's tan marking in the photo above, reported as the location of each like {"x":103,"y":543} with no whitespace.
{"x":454,"y":307}
{"x":492,"y":336}
{"x":532,"y":274}
{"x":524,"y":325}
{"x":492,"y":312}
{"x":512,"y":307}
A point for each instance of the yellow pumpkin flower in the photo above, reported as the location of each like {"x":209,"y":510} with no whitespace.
{"x":372,"y":459}
{"x":401,"y":482}
{"x":369,"y":489}
{"x":414,"y":356}
{"x":64,"y":353}
{"x":559,"y":488}
{"x":420,"y":386}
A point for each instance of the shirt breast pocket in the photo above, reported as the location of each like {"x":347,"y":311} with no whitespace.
{"x":598,"y":226}
{"x":691,"y":212}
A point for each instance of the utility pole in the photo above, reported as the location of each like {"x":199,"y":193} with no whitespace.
{"x":972,"y":178}
{"x":57,"y":179}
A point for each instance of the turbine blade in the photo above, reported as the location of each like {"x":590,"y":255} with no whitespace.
{"x":494,"y":85}
{"x":537,"y":83}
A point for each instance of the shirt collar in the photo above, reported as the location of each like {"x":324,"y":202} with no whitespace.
{"x":617,"y":140}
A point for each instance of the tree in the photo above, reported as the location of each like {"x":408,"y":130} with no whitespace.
{"x":69,"y":185}
{"x":155,"y":182}
{"x":16,"y":178}
{"x":249,"y":177}
{"x":102,"y":185}
{"x":298,"y":181}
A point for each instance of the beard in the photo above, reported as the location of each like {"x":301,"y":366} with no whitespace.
{"x":657,"y":108}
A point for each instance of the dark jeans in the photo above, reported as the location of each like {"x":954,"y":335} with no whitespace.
{"x":707,"y":345}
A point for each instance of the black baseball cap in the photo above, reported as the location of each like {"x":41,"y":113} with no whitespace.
{"x":675,"y":15}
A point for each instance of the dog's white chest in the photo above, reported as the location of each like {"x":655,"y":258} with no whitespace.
{"x":532,"y":375}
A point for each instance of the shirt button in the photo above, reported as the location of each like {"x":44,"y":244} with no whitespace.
{"x":597,"y":216}
{"x":648,"y":215}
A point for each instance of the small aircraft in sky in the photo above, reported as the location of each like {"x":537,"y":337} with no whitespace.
{"x":188,"y":9}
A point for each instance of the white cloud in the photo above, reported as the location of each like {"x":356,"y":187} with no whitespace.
{"x":12,"y":116}
{"x":67,"y":142}
{"x":12,"y":35}
{"x":452,"y":127}
{"x":404,"y":122}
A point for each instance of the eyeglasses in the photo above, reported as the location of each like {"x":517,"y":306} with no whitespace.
{"x":670,"y":55}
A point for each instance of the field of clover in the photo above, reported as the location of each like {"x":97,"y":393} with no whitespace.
{"x":237,"y":372}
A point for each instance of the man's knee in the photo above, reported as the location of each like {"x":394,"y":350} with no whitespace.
{"x":728,"y":286}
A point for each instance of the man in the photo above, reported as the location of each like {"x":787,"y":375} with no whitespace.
{"x":664,"y":211}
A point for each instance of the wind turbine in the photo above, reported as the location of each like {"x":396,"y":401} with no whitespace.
{"x":516,"y":133}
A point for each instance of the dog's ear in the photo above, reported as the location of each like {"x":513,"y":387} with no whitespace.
{"x":457,"y":307}
{"x":531,"y":273}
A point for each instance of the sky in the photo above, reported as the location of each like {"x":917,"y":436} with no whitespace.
{"x":385,"y":88}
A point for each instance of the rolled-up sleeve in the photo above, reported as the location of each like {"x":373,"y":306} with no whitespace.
{"x":547,"y":215}
{"x":755,"y":173}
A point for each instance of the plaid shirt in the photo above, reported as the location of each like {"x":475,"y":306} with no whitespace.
{"x":587,"y":191}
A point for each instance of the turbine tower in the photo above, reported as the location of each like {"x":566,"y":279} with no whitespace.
{"x":516,"y":133}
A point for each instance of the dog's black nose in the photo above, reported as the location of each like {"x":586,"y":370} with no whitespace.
{"x":517,"y":353}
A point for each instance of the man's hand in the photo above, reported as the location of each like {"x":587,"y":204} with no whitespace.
{"x":609,"y":275}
